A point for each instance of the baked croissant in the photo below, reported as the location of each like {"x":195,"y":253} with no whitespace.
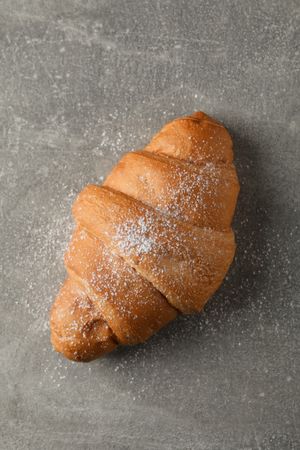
{"x":154,"y":241}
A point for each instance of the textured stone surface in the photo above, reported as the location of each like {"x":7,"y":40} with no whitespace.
{"x":82,"y":82}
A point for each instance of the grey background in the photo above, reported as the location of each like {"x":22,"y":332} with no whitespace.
{"x":80,"y":83}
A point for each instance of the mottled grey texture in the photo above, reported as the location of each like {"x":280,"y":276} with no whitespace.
{"x":82,"y":82}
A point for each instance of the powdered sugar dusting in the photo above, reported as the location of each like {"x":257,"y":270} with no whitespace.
{"x":194,"y":192}
{"x":133,"y":237}
{"x":48,"y":242}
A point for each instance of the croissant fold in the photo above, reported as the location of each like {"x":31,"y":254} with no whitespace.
{"x":154,"y":241}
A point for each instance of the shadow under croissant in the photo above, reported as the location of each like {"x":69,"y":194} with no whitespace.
{"x":247,"y":281}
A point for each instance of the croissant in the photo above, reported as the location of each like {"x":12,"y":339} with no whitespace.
{"x":152,"y":242}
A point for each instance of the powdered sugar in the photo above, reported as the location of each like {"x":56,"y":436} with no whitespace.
{"x":133,"y":236}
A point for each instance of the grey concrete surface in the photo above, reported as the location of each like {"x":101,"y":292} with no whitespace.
{"x":80,"y":83}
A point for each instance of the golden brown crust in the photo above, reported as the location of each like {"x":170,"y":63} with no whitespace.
{"x":132,"y":307}
{"x":77,"y":328}
{"x":194,"y":139}
{"x":203,"y":195}
{"x":156,"y":238}
{"x":185,"y":263}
